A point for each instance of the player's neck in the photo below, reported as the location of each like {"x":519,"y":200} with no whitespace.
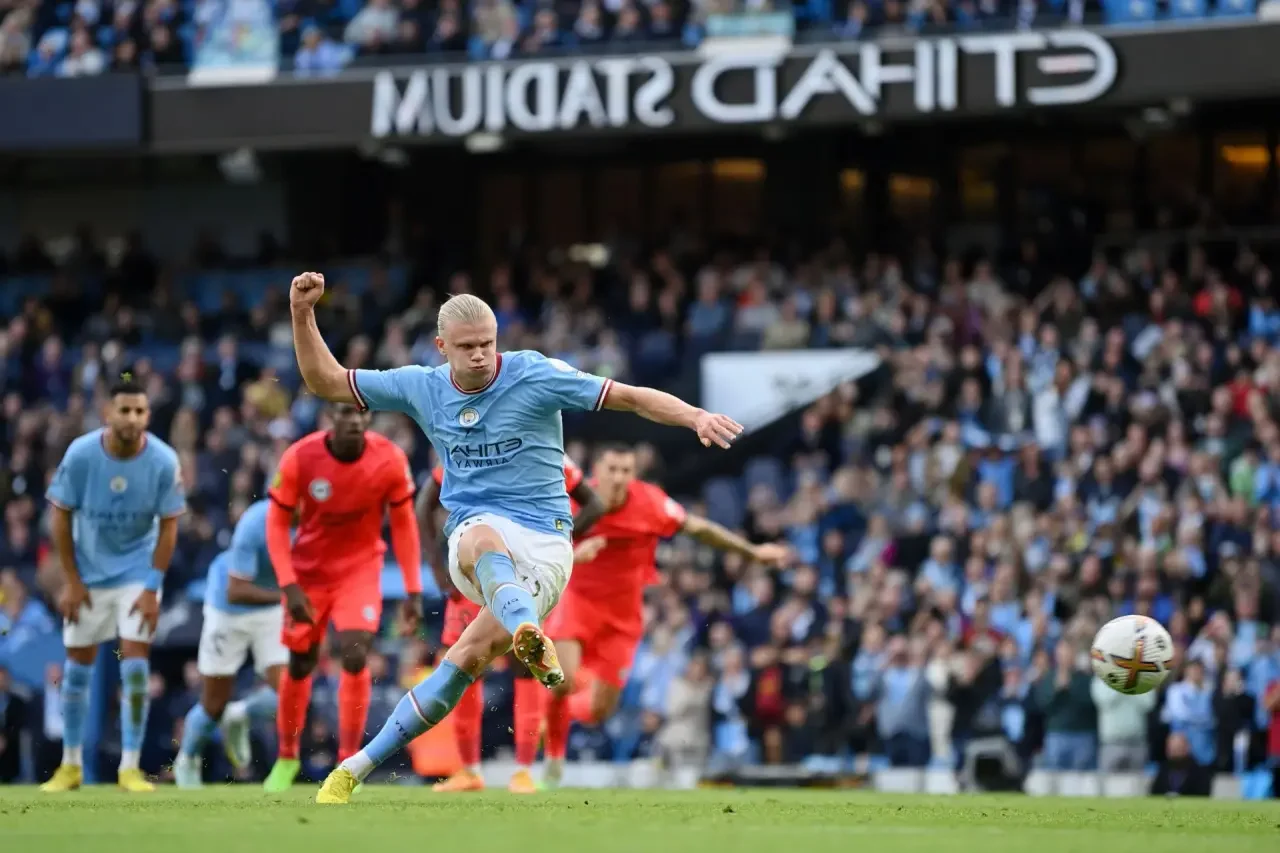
{"x":344,"y":454}
{"x":118,"y":448}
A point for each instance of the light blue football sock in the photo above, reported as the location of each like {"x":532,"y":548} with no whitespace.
{"x":421,"y":708}
{"x":75,"y":710}
{"x":195,"y":731}
{"x":135,"y":675}
{"x":505,"y":595}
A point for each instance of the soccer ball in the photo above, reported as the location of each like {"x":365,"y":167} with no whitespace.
{"x":1132,"y":654}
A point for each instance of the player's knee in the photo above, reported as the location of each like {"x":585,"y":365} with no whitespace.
{"x":355,"y":656}
{"x":302,"y":664}
{"x":477,"y":542}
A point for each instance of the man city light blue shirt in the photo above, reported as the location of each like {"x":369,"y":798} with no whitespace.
{"x":117,"y":505}
{"x":502,"y":446}
{"x":247,"y":558}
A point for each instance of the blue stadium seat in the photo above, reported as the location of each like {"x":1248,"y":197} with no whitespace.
{"x":1188,"y":9}
{"x":1236,"y":9}
{"x":766,"y":471}
{"x":1129,"y":11}
{"x":724,"y":502}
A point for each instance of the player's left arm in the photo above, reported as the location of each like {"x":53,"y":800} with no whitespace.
{"x":573,"y":389}
{"x":406,"y":541}
{"x":718,"y":536}
{"x":590,"y":508}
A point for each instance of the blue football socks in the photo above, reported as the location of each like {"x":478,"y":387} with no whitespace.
{"x":195,"y":731}
{"x":421,"y":708}
{"x":503,"y":592}
{"x":135,"y":674}
{"x":75,"y":710}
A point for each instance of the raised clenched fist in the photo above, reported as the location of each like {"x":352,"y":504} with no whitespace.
{"x":306,"y":289}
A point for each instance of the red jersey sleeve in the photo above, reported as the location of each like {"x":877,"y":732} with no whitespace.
{"x":572,"y":475}
{"x":399,"y":476}
{"x":437,"y":474}
{"x":666,"y":514}
{"x":284,"y":485}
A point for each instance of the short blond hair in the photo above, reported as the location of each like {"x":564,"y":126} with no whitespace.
{"x":464,"y":308}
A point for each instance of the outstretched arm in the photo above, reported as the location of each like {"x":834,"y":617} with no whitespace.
{"x":717,"y":536}
{"x":322,"y":373}
{"x":663,"y":408}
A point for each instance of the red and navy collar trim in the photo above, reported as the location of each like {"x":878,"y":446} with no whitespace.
{"x":496,"y":370}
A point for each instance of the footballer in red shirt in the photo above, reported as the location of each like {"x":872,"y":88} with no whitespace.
{"x":599,"y":621}
{"x":339,"y":484}
{"x":459,"y":611}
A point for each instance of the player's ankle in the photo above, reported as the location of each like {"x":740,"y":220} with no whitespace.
{"x":73,"y":756}
{"x":358,"y":765}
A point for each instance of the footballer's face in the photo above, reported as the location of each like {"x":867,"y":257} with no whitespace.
{"x":471,"y":350}
{"x":349,"y":423}
{"x":128,"y":416}
{"x":614,"y":470}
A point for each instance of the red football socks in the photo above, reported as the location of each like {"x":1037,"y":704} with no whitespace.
{"x":527,"y":717}
{"x":291,"y":716}
{"x":468,"y":717}
{"x":354,"y":691}
{"x":557,"y":716}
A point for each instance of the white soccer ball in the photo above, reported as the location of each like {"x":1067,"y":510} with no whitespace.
{"x":1132,"y":654}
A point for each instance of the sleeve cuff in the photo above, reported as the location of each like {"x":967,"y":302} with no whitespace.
{"x":361,"y":404}
{"x":603,"y":396}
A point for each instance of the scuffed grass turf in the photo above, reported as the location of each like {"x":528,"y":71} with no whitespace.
{"x":388,"y":819}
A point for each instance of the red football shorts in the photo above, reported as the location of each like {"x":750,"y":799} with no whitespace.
{"x":608,"y":643}
{"x":353,"y":603}
{"x":459,"y":612}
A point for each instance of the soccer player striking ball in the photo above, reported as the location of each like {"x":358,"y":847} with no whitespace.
{"x":242,"y":612}
{"x":116,"y":498}
{"x":599,"y":621}
{"x":338,"y":484}
{"x":495,"y":421}
{"x":459,"y":612}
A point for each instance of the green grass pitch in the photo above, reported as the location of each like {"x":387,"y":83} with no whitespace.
{"x":393,"y":818}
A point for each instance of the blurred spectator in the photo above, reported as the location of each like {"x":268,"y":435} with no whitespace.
{"x":1188,"y":711}
{"x":318,"y":56}
{"x":1180,"y":774}
{"x":15,"y":40}
{"x":1070,"y":720}
{"x":685,"y":738}
{"x":13,"y":716}
{"x":374,"y":25}
{"x":1122,"y":728}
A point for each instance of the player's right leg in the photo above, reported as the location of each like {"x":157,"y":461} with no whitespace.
{"x":224,"y":648}
{"x":485,"y":562}
{"x":270,"y":658}
{"x":94,"y":624}
{"x":424,"y":706}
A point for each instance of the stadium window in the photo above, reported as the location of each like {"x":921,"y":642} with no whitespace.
{"x":737,"y":190}
{"x":560,"y":217}
{"x":911,"y":198}
{"x":1043,"y":166}
{"x":619,"y":200}
{"x":502,"y":212}
{"x":978,"y":170}
{"x":679,"y":196}
{"x":1173,"y":168}
{"x":853,"y":186}
{"x":1239,"y":169}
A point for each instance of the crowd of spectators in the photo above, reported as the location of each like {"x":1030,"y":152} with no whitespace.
{"x":70,"y":38}
{"x":1048,"y":444}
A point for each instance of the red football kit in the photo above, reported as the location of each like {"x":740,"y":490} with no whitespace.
{"x":460,"y":611}
{"x":603,"y":606}
{"x":337,"y":556}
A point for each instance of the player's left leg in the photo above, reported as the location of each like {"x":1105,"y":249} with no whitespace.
{"x":270,"y":658}
{"x":526,"y":715}
{"x":135,"y":678}
{"x":424,"y":706}
{"x":303,"y":643}
{"x":598,"y":681}
{"x":355,"y":688}
{"x":484,"y":559}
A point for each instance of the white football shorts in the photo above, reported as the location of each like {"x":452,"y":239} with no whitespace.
{"x":226,"y":639}
{"x":544,"y":561}
{"x":107,"y":618}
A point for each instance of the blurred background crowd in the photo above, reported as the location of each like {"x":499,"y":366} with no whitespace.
{"x":1053,"y":438}
{"x":70,"y":38}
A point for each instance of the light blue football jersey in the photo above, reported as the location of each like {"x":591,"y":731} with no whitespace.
{"x":502,"y":446}
{"x":246,"y":558}
{"x":117,"y":506}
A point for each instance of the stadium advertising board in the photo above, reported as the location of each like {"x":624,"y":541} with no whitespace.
{"x":896,"y":80}
{"x":62,"y":114}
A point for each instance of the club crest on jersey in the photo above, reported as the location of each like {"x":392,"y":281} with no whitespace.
{"x":468,"y":417}
{"x":118,"y":485}
{"x":320,"y":489}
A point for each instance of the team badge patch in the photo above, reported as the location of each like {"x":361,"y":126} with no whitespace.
{"x":468,"y":417}
{"x":118,"y":485}
{"x":320,"y":489}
